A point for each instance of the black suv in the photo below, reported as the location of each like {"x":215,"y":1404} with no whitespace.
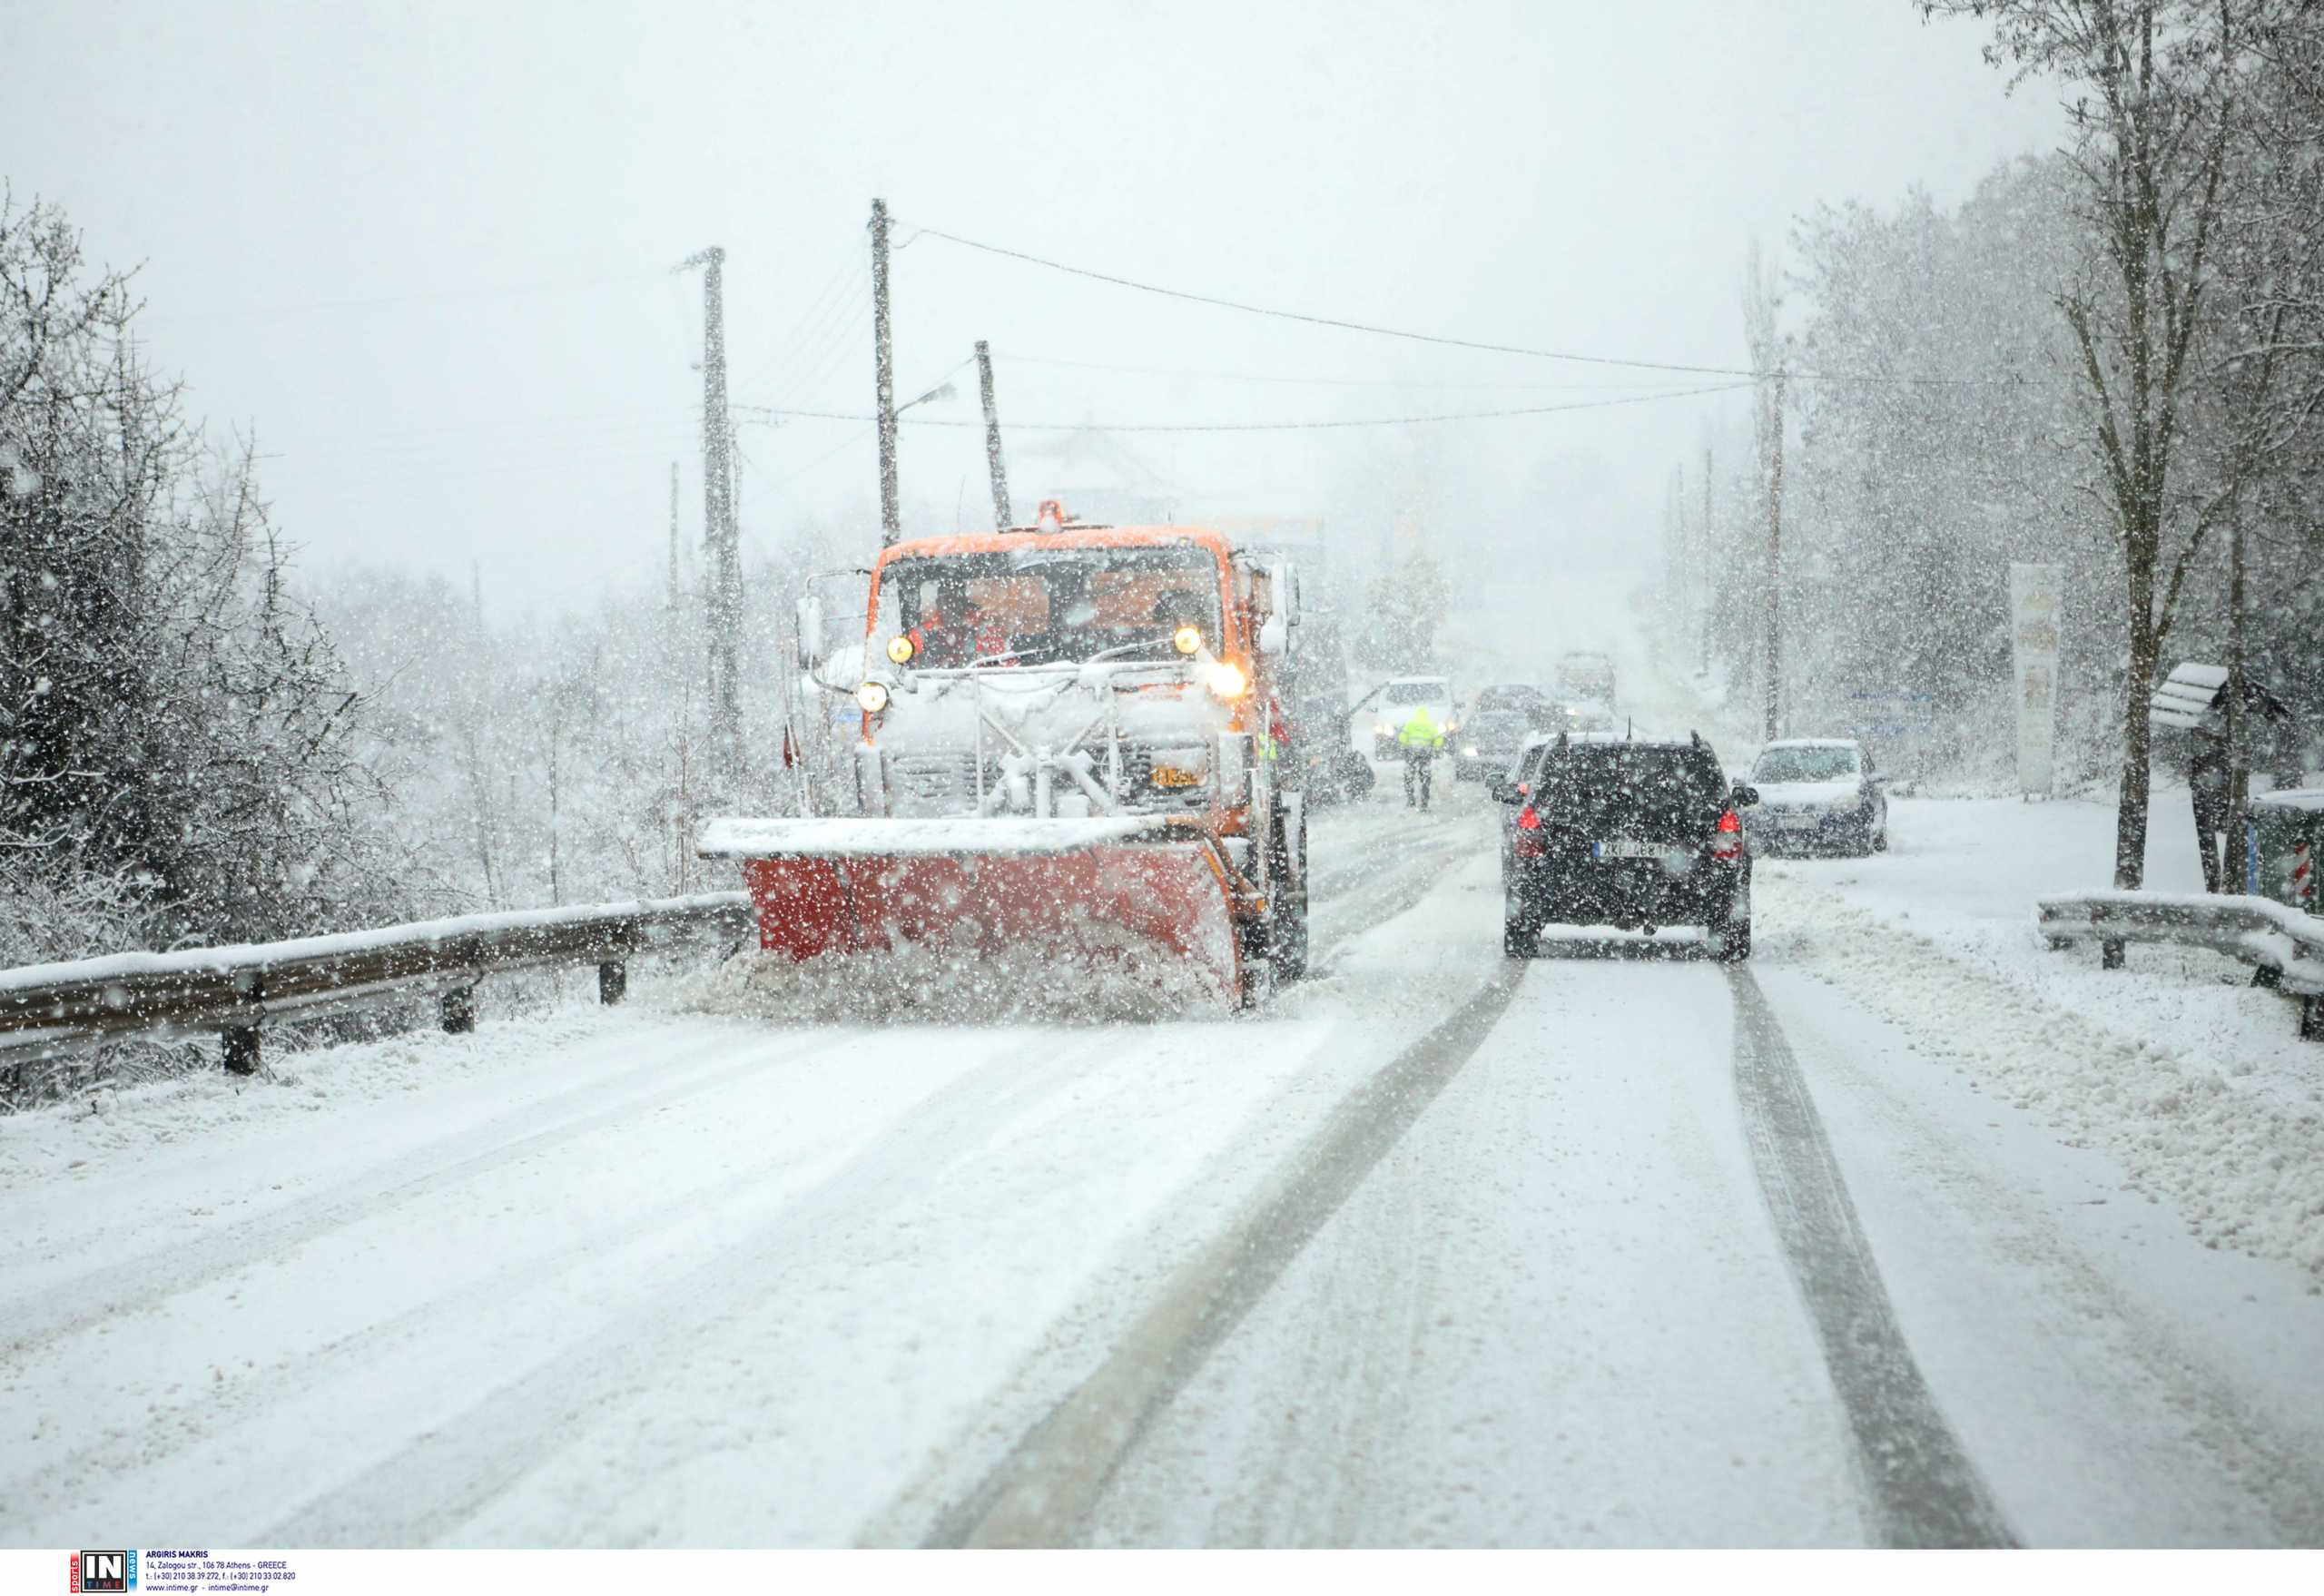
{"x":1636,"y":833}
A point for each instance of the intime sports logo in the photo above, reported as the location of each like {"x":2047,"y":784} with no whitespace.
{"x":105,"y":1571}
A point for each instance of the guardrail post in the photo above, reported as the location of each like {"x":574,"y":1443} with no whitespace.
{"x":613,"y":974}
{"x":2311,"y":1017}
{"x":458,"y":1006}
{"x":241,"y":1044}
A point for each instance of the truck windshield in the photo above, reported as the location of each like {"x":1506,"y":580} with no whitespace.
{"x":1042,"y":605}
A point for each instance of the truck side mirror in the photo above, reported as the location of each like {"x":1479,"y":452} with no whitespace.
{"x":809,"y":618}
{"x":1283,"y":609}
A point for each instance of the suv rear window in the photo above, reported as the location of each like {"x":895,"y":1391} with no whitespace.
{"x":1629,"y":788}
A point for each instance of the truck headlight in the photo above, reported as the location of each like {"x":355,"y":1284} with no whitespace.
{"x":901,"y":648}
{"x":1224,"y":677}
{"x":873,"y":696}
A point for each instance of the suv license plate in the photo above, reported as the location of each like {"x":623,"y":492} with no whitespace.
{"x":1628,"y":848}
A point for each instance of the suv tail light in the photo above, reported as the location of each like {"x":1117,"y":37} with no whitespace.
{"x":1528,"y":843}
{"x":1728,"y":843}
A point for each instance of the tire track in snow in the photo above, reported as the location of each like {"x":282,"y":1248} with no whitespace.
{"x":447,"y":1474}
{"x":164,"y":1432}
{"x":140,"y":1283}
{"x":1042,"y":1490}
{"x":1923,"y":1491}
{"x":1384,"y":883}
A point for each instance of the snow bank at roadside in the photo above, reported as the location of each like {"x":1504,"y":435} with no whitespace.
{"x":209,"y":1108}
{"x":2177,"y":1067}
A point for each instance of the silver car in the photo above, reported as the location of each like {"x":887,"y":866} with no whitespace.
{"x":1818,"y":795}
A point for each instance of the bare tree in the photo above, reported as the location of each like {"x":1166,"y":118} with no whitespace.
{"x":2152,"y":87}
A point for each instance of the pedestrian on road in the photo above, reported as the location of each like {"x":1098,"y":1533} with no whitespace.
{"x":1418,"y":743}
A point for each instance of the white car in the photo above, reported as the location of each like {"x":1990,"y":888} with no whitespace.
{"x":1817,"y":795}
{"x":1395,"y":701}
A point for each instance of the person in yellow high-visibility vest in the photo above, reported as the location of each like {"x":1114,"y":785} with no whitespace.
{"x":1418,"y":742}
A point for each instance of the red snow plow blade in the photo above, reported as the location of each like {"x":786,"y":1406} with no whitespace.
{"x":1107,"y":889}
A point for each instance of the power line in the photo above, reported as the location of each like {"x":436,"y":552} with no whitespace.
{"x":850,"y":441}
{"x":813,"y":323}
{"x":831,"y":352}
{"x":1263,"y":425}
{"x":1307,"y":381}
{"x":1459,"y":343}
{"x":1344,"y":326}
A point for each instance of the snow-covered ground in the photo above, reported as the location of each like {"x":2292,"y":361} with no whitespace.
{"x":1916,"y":1231}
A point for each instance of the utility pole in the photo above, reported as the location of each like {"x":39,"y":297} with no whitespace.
{"x":1002,"y":519}
{"x":1774,"y":704}
{"x":883,"y":359}
{"x":1676,"y":582}
{"x":476,"y":592}
{"x":1710,"y":570}
{"x":722,"y":592}
{"x":674,"y":583}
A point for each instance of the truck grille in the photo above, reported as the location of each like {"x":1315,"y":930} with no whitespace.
{"x":932,"y":784}
{"x":1141,"y":795}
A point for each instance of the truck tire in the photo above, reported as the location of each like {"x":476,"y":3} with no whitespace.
{"x":1251,"y":953}
{"x":1520,"y":933}
{"x":1286,"y":936}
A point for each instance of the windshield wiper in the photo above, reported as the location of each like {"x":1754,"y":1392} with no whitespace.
{"x":1125,"y":648}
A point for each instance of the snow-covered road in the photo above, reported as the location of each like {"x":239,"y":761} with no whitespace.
{"x":1617,"y":1249}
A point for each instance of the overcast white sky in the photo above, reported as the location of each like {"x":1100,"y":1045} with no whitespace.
{"x":423,"y":251}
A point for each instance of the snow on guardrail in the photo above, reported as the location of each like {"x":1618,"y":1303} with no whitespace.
{"x":48,"y":1010}
{"x":2284,"y":945}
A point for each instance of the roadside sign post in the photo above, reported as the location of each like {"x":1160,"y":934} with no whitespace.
{"x":2034,"y":648}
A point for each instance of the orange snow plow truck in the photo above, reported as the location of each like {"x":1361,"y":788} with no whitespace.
{"x":1072,"y":747}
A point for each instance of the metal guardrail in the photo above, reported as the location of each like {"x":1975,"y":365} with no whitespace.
{"x":2284,"y":946}
{"x":50,"y":1009}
